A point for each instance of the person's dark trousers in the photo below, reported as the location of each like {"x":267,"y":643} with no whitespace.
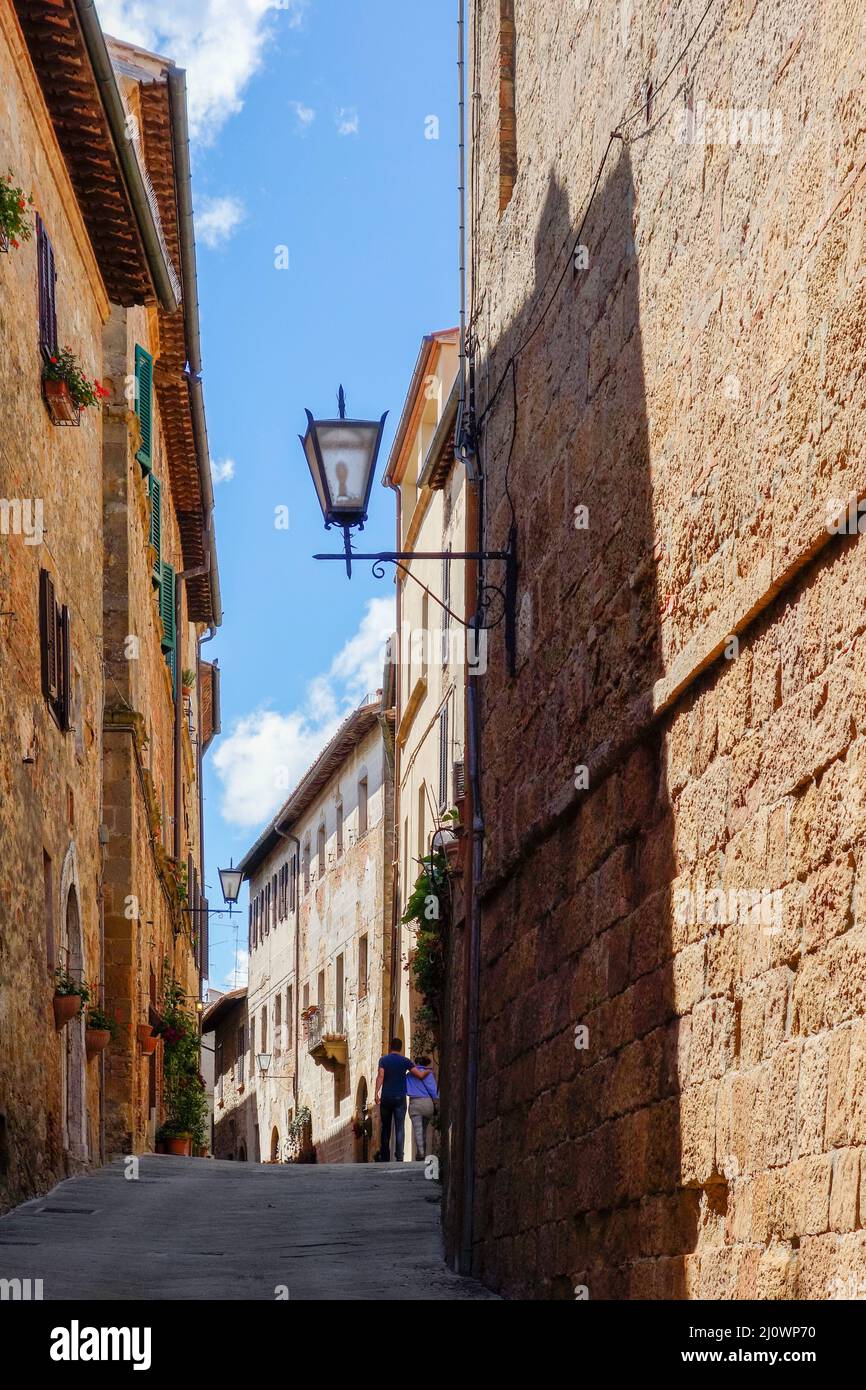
{"x":397,"y":1109}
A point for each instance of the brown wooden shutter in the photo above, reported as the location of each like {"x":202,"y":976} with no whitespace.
{"x":48,"y":636}
{"x":47,"y":281}
{"x":64,"y":702}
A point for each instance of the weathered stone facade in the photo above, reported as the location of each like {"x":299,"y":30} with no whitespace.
{"x":94,"y":869}
{"x":691,"y":377}
{"x":317,"y":1002}
{"x":49,"y":779}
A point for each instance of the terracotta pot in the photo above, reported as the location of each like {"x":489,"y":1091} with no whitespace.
{"x":181,"y":1147}
{"x":61,"y":406}
{"x":96,"y":1040}
{"x":146,"y":1038}
{"x":454,"y":855}
{"x":66,"y":1006}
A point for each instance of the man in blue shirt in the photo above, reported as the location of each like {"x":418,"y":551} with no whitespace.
{"x":391,"y":1097}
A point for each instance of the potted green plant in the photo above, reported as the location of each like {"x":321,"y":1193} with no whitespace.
{"x":70,"y":997}
{"x":15,"y":226}
{"x":99,"y":1031}
{"x":187,"y":681}
{"x":184,"y":1088}
{"x":66,"y":389}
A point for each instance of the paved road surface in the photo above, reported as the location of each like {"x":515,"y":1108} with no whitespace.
{"x":202,"y":1229}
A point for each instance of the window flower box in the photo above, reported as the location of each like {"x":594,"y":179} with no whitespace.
{"x":61,"y":406}
{"x":66,"y":390}
{"x":15,"y":225}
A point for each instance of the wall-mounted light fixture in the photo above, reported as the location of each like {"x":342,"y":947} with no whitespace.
{"x":341,"y":455}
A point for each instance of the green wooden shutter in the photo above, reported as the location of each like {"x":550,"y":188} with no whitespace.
{"x":166,"y":605}
{"x":171,"y":663}
{"x":155,"y":525}
{"x":144,"y":405}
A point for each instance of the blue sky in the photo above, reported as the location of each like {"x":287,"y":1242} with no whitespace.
{"x":310,"y":123}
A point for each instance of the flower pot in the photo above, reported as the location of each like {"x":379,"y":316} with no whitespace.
{"x":66,"y":1006}
{"x":96,"y":1040}
{"x":147,"y":1038}
{"x":61,"y":406}
{"x":454,"y":855}
{"x":181,"y":1146}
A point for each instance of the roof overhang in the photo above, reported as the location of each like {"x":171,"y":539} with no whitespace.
{"x":219,"y":1010}
{"x":72,"y":65}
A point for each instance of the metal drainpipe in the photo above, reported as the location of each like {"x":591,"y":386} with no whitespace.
{"x":394,"y":990}
{"x":473,"y":965}
{"x":287,"y":835}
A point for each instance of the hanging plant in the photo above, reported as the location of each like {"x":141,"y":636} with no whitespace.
{"x":184,"y":1087}
{"x":66,"y":388}
{"x":427,"y":911}
{"x":15,"y":226}
{"x":70,"y":997}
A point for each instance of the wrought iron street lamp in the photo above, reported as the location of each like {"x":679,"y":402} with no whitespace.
{"x":230,"y":882}
{"x":341,"y":456}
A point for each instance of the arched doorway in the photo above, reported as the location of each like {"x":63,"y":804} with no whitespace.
{"x":363,"y":1123}
{"x":275,"y":1145}
{"x":74,"y":1062}
{"x":242,"y":1153}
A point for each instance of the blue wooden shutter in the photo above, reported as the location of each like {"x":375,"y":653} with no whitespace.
{"x":144,"y":405}
{"x":155,"y":524}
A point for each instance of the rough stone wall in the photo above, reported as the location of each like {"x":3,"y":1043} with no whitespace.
{"x":235,"y":1099}
{"x":49,"y":780}
{"x":696,"y":384}
{"x":142,"y":914}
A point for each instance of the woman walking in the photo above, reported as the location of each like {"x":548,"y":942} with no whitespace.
{"x":423,"y":1096}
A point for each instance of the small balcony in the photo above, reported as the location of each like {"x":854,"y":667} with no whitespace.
{"x":327,"y":1041}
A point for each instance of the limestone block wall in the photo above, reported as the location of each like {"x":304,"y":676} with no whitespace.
{"x":671,"y":782}
{"x":49,"y":780}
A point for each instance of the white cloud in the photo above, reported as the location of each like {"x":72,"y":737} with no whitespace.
{"x":220,"y":43}
{"x":266,"y":753}
{"x":347,"y":121}
{"x":222,"y":471}
{"x":237,"y":973}
{"x":304,"y":115}
{"x":218,"y":219}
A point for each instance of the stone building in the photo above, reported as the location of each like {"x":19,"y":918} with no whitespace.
{"x":320,"y":879}
{"x":431,"y":649}
{"x":97,"y":257}
{"x":225,"y":1024}
{"x":665,"y":319}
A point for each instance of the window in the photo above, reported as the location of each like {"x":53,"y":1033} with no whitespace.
{"x":144,"y":406}
{"x":363,"y":947}
{"x":267,"y":908}
{"x":47,"y":280}
{"x":443,"y":758}
{"x":263,"y":1029}
{"x":290,"y":1017}
{"x":340,"y":984}
{"x":507,"y":115}
{"x":362,"y":806}
{"x":293,"y":883}
{"x":307,"y":865}
{"x":425,"y":631}
{"x":320,"y":851}
{"x":278,"y":1024}
{"x":55,"y":651}
{"x":306,"y":997}
{"x":250,"y":938}
{"x":446,"y":614}
{"x":274,"y":912}
{"x":48,"y":881}
{"x":218,"y":1071}
{"x":320,"y":993}
{"x":339,"y":828}
{"x":242,"y":1054}
{"x":422,"y":820}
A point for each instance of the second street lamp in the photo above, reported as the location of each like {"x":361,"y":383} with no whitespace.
{"x":341,"y":456}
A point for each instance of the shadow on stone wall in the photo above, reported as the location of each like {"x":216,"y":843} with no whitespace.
{"x":578,"y":1137}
